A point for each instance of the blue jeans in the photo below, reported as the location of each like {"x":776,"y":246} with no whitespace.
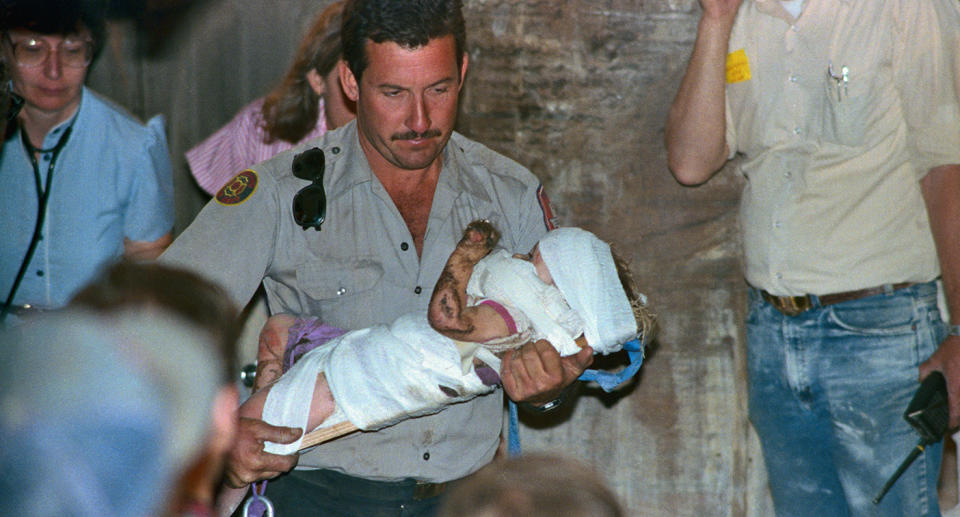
{"x":828,"y":389}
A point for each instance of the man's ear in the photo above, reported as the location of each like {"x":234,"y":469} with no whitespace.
{"x":316,"y":81}
{"x":349,"y":83}
{"x":463,"y":69}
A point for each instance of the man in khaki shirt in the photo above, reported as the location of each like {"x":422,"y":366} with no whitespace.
{"x":400,"y":188}
{"x":846,"y":118}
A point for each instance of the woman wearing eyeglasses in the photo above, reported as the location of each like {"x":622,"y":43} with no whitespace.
{"x":82,"y":182}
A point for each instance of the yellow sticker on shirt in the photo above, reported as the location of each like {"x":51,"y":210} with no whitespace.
{"x":738,"y":67}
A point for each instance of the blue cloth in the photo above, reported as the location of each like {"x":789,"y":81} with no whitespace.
{"x":828,"y":389}
{"x":607,"y":380}
{"x":111,"y":181}
{"x":610,"y":380}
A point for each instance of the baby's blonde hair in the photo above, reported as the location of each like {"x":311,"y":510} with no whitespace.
{"x":646,"y":319}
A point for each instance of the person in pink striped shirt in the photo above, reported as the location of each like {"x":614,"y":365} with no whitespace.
{"x":306,"y":103}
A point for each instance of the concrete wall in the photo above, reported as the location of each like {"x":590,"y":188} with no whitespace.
{"x":577,"y":91}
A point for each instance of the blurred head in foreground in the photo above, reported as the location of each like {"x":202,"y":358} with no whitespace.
{"x":533,"y":486}
{"x":105,"y":409}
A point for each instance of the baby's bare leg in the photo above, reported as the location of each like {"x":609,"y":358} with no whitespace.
{"x":447,"y":304}
{"x":273,"y":343}
{"x":321,"y":406}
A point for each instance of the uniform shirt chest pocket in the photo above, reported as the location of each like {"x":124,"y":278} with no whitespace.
{"x":855,"y":103}
{"x":341,"y":292}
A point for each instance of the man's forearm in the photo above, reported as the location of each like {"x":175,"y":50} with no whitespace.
{"x":941,"y":191}
{"x":696,"y":125}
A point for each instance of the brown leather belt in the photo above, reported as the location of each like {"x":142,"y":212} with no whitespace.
{"x":795,"y":305}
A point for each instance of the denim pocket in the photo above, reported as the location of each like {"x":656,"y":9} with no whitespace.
{"x":876,"y":315}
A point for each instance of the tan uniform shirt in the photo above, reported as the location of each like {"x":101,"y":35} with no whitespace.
{"x":362,"y":269}
{"x":838,"y":115}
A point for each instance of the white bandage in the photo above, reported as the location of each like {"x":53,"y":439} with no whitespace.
{"x":582,"y":267}
{"x":378,"y":376}
{"x":514,"y":282}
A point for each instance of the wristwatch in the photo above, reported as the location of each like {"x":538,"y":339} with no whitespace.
{"x":553,"y":404}
{"x":549,"y":406}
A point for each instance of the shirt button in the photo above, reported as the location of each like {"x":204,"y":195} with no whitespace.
{"x":797,"y":130}
{"x":404,"y":246}
{"x":787,"y":174}
{"x":335,"y":150}
{"x":426,"y":456}
{"x":342,"y":291}
{"x":417,"y":289}
{"x":777,"y":224}
{"x":794,"y":78}
{"x":779,"y":276}
{"x":39,"y":272}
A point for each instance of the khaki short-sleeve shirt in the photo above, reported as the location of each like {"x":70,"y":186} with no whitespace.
{"x":838,"y":115}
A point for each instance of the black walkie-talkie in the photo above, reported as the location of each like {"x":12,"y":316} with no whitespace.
{"x":929,"y":415}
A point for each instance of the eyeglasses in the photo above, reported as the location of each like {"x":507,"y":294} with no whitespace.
{"x":31,"y":52}
{"x":310,"y":203}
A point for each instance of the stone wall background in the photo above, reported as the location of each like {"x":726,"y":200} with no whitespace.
{"x":577,"y":91}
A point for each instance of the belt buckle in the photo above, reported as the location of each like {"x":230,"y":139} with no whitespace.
{"x":789,"y":305}
{"x":423,"y":491}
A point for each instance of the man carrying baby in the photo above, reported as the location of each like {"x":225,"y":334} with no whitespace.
{"x":400,"y":186}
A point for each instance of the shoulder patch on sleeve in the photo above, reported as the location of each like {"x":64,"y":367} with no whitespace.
{"x":549,"y":220}
{"x":239,"y":189}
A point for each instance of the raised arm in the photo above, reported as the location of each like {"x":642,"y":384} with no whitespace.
{"x":448,"y":312}
{"x":696,"y":124}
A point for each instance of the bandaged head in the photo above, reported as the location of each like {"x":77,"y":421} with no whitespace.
{"x":514,"y":282}
{"x":582,"y":267}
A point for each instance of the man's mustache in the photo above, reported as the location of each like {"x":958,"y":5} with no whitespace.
{"x":413,"y":135}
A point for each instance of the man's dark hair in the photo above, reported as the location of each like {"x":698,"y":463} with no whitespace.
{"x":408,"y":23}
{"x":57,"y":17}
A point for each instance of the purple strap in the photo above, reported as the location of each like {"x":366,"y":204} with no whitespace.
{"x":305,"y":335}
{"x":257,"y":506}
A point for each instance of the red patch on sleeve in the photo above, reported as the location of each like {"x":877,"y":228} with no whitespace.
{"x":237,"y":190}
{"x":549,"y":220}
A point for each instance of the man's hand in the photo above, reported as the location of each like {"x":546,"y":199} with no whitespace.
{"x":536,"y":374}
{"x":947,"y":360}
{"x":247,"y":462}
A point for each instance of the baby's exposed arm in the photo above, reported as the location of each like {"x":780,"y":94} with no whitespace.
{"x":448,"y":312}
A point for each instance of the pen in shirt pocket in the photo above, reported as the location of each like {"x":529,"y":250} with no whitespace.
{"x":841,"y":80}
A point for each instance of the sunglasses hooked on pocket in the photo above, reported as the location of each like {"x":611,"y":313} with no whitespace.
{"x":310,"y":203}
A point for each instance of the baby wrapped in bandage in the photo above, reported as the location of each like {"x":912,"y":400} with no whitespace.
{"x":570,"y":290}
